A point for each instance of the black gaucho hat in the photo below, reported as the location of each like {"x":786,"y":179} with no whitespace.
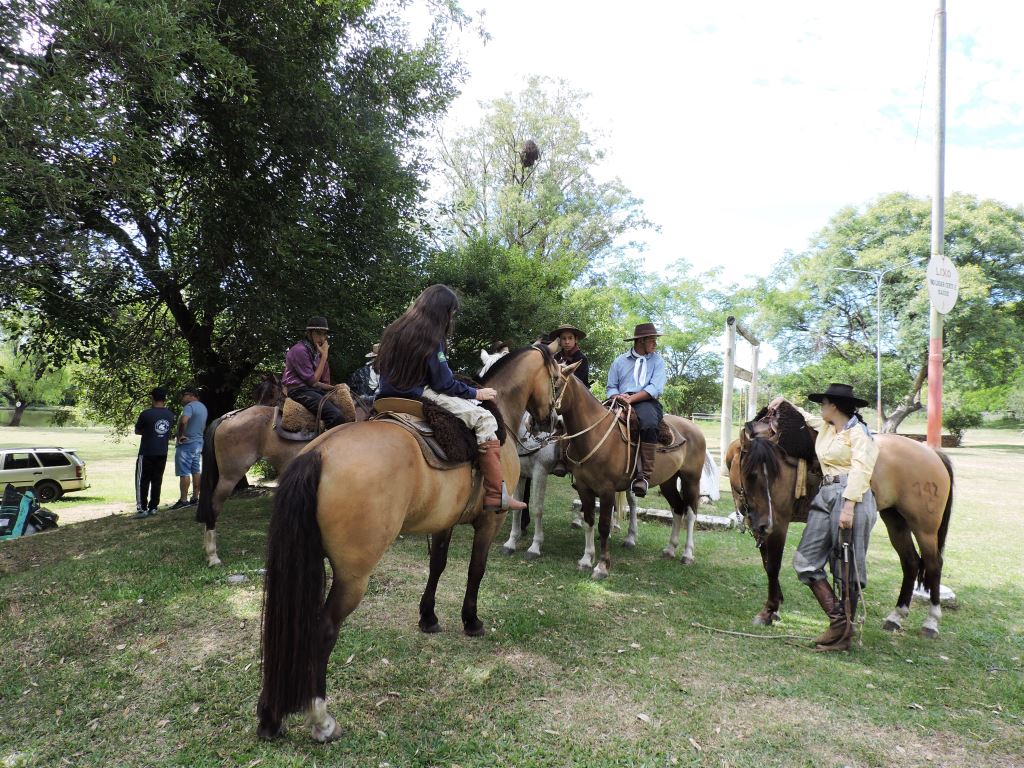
{"x":580,"y":335}
{"x":318,"y":324}
{"x":838,"y":392}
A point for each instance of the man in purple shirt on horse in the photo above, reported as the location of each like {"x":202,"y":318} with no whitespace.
{"x":307,"y":376}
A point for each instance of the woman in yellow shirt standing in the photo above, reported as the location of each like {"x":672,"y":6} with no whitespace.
{"x":847,"y":456}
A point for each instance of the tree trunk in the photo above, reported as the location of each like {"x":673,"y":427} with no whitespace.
{"x":911,"y":404}
{"x":19,"y":410}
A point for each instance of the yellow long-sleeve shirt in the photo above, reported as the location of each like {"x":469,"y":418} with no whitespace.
{"x":848,"y":452}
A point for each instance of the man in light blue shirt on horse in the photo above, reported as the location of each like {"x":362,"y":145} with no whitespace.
{"x":638,"y":378}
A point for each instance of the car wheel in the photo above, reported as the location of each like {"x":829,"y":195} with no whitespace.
{"x":48,"y":490}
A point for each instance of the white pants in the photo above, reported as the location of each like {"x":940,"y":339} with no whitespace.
{"x":466,"y":411}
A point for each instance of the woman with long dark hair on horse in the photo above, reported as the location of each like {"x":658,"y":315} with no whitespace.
{"x":412,"y":363}
{"x":843,"y":512}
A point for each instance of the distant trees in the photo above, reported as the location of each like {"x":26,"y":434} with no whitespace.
{"x":823,"y":321}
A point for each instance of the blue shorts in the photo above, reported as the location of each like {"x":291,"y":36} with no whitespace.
{"x":188,"y":458}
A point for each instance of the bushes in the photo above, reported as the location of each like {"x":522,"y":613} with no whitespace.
{"x":957,"y":420}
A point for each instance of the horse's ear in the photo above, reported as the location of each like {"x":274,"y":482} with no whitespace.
{"x":555,"y":347}
{"x":567,"y":370}
{"x":744,"y":438}
{"x":483,"y":356}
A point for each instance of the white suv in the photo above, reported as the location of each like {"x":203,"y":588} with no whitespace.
{"x":51,"y":472}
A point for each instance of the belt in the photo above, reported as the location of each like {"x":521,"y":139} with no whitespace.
{"x":830,"y":479}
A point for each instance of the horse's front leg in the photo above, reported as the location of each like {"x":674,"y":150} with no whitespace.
{"x":485,"y":527}
{"x":221,"y":492}
{"x":771,"y":558}
{"x":538,"y":488}
{"x":630,"y":541}
{"x":438,"y":560}
{"x":605,"y":529}
{"x":587,"y":500}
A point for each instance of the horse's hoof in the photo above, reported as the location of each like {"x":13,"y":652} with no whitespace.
{"x":508,"y":550}
{"x":891,"y":626}
{"x":761,"y":621}
{"x":214,"y":562}
{"x":430,"y":629}
{"x":929,"y":632}
{"x":326,"y":738}
{"x":668,"y":554}
{"x":474,"y":630}
{"x":629,"y":543}
{"x":576,"y":524}
{"x":584,"y":565}
{"x":532,"y":555}
{"x":686,"y":560}
{"x":270,"y":733}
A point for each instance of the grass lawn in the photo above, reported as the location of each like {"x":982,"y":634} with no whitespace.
{"x":123,"y":649}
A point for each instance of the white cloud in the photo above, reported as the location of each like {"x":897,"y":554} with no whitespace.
{"x":746,"y":125}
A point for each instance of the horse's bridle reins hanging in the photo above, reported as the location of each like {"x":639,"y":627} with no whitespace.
{"x":612,"y":411}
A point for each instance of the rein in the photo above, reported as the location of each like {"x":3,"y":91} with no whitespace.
{"x":610,"y":412}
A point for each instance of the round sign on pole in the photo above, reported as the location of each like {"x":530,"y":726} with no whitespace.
{"x":943,"y":283}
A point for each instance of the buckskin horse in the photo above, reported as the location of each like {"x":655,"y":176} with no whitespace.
{"x":348,"y":496}
{"x":232,"y":444}
{"x":602,"y":464}
{"x":913,"y":488}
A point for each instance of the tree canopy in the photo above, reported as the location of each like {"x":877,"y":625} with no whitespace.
{"x":184,"y":184}
{"x":823,"y":319}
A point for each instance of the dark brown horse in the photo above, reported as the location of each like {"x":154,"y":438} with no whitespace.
{"x":232,"y":445}
{"x":913,"y":489}
{"x":602,"y":463}
{"x":348,"y":496}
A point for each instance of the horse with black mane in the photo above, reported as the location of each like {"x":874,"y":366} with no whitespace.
{"x":774,"y":478}
{"x":348,"y":496}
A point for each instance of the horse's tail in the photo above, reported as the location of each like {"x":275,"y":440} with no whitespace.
{"x":210,"y":477}
{"x":944,"y":525}
{"x":946,"y":513}
{"x":293,"y":593}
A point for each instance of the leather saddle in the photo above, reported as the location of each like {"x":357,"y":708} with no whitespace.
{"x":292,"y":421}
{"x":668,"y":438}
{"x":445,"y":442}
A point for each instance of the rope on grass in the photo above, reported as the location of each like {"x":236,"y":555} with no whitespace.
{"x":749,"y":634}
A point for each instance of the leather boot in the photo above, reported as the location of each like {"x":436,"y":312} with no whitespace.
{"x":840,"y":629}
{"x":644,"y":467}
{"x":560,"y":469}
{"x":496,"y":496}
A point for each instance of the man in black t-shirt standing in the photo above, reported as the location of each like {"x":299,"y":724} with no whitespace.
{"x":154,"y":424}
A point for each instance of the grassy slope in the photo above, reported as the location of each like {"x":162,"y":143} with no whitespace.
{"x":121,"y":648}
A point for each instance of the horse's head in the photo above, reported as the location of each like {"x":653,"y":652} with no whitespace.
{"x":754,"y":472}
{"x":542,"y":388}
{"x":269,"y":390}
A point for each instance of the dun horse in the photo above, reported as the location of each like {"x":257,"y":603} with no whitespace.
{"x":913,"y":488}
{"x":348,"y":496}
{"x":232,"y":445}
{"x":602,"y":463}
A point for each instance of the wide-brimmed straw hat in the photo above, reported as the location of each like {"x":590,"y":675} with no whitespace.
{"x":566,"y":327}
{"x":318,"y":324}
{"x":838,"y":392}
{"x":642,"y":331}
{"x":373,"y":351}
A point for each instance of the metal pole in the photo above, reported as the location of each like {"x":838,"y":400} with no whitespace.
{"x":938,"y":235}
{"x":878,"y":352}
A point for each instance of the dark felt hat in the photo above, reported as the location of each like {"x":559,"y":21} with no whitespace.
{"x":642,"y":331}
{"x":318,"y":324}
{"x":566,"y":327}
{"x":837,"y":392}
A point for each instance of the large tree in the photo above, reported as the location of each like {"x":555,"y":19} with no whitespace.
{"x":183,"y":184}
{"x":822,"y":319}
{"x":26,"y":379}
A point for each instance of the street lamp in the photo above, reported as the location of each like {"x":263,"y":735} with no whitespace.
{"x":878,"y":276}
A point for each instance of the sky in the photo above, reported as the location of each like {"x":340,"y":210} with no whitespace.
{"x":744,"y":126}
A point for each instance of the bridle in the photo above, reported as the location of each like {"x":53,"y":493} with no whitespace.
{"x":745,"y":506}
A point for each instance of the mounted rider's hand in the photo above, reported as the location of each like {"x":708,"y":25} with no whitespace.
{"x":621,"y":398}
{"x":323,"y":347}
{"x":486,"y":393}
{"x":846,"y":516}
